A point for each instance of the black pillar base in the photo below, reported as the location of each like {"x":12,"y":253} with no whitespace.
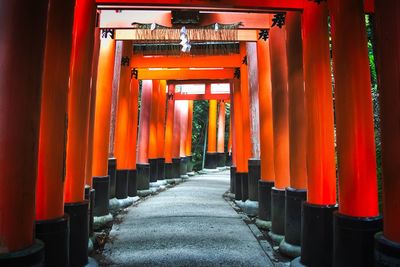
{"x":161,"y":169}
{"x":278,"y":211}
{"x":55,"y":236}
{"x":143,"y":176}
{"x":132,"y":183}
{"x":121,"y":187}
{"x":211,"y":161}
{"x":233,"y":174}
{"x":221,"y":156}
{"x":32,"y":256}
{"x":317,"y":234}
{"x":264,"y":200}
{"x":229,"y":160}
{"x":238,"y":185}
{"x":245,"y":186}
{"x":79,"y":232}
{"x":190,"y":164}
{"x":153,"y":170}
{"x":176,"y":167}
{"x":294,"y":201}
{"x":101,"y":201}
{"x":91,"y":206}
{"x":112,"y":172}
{"x":254,"y":177}
{"x":387,"y":253}
{"x":353,"y":240}
{"x":168,"y":171}
{"x":183,"y":166}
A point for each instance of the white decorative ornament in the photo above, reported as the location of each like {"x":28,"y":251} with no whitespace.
{"x":153,"y":26}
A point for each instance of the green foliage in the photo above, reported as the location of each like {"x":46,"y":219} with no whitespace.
{"x":200,"y":120}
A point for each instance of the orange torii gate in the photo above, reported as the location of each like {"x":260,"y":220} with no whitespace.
{"x":358,"y":204}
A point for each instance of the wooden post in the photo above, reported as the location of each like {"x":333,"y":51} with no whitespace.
{"x":387,"y":24}
{"x":176,"y":139}
{"x":211,"y":156}
{"x":221,"y":135}
{"x":162,"y":102}
{"x":20,"y":94}
{"x":358,"y":194}
{"x":169,"y":131}
{"x":188,"y":151}
{"x":184,"y":131}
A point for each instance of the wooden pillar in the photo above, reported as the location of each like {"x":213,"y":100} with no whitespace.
{"x":188,"y":151}
{"x":52,"y":139}
{"x":221,"y":134}
{"x":123,"y":110}
{"x":153,"y":153}
{"x":162,"y":102}
{"x":267,"y":174}
{"x":321,"y":174}
{"x":103,"y":107}
{"x":133,"y":124}
{"x":20,"y":94}
{"x":211,"y":161}
{"x":78,"y":128}
{"x":79,"y":100}
{"x":279,"y":81}
{"x":183,"y":137}
{"x":176,"y":140}
{"x":388,"y":53}
{"x":296,"y":193}
{"x":169,"y":132}
{"x":358,"y":194}
{"x":143,"y":169}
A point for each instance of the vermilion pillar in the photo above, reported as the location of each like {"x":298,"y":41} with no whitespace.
{"x":143,"y":168}
{"x":211,"y":156}
{"x":317,"y":231}
{"x":233,"y":139}
{"x":176,"y":140}
{"x":296,"y":193}
{"x":183,"y":137}
{"x":121,"y":150}
{"x":153,"y":144}
{"x":388,"y":52}
{"x":267,"y":176}
{"x":78,"y":125}
{"x":279,"y":81}
{"x":241,"y":167}
{"x":188,"y":151}
{"x":169,"y":132}
{"x":358,"y":196}
{"x":19,"y":121}
{"x":132,"y":137}
{"x":162,"y":102}
{"x":221,"y":134}
{"x":52,"y":139}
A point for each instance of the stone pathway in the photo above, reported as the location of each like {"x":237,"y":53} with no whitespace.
{"x":188,"y":225}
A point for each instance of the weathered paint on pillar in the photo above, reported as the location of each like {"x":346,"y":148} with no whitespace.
{"x":176,"y":137}
{"x":103,"y":107}
{"x":154,"y":120}
{"x":297,"y":117}
{"x":169,"y":125}
{"x":279,"y":81}
{"x":184,"y":127}
{"x":266,"y":118}
{"x":188,"y":145}
{"x":358,"y":193}
{"x":89,"y":154}
{"x":244,"y":90}
{"x":254,"y":114}
{"x":221,"y":127}
{"x":387,"y":14}
{"x":19,"y":118}
{"x":79,"y":99}
{"x":238,"y":128}
{"x":53,"y":115}
{"x":321,"y":166}
{"x":133,"y":124}
{"x":162,"y":102}
{"x":212,"y":126}
{"x":122,"y":126}
{"x":144,"y":123}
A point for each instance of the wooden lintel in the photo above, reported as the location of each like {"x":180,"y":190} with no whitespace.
{"x":179,"y":82}
{"x":179,"y":96}
{"x":223,"y":61}
{"x":133,"y":34}
{"x":185,"y":74}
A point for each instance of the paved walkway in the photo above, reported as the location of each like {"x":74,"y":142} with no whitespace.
{"x":188,"y":225}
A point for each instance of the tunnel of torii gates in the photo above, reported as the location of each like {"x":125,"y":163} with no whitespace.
{"x":72,"y":136}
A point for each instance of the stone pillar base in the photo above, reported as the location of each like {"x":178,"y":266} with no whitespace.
{"x":161,"y":169}
{"x":32,"y":256}
{"x":211,"y":161}
{"x":254,"y":177}
{"x":183,"y":166}
{"x":112,"y":172}
{"x":176,"y":167}
{"x":153,"y":163}
{"x":132,"y":183}
{"x":277,"y":215}
{"x":387,"y":253}
{"x":264,"y":200}
{"x":121,"y":187}
{"x":55,"y":236}
{"x":221,"y":159}
{"x":233,"y":174}
{"x":143,"y":176}
{"x":353,"y":240}
{"x":102,"y":186}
